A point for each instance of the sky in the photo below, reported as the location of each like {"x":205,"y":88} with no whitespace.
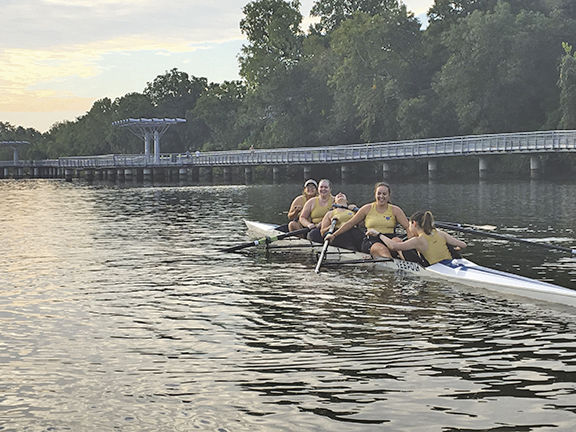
{"x":57,"y":57}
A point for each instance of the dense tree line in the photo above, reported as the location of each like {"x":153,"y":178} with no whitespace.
{"x":366,"y":71}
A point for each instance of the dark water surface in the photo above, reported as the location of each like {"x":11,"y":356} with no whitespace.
{"x":117,"y":312}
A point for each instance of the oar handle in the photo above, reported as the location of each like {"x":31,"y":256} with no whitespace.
{"x":459,"y":227}
{"x":354,"y":209}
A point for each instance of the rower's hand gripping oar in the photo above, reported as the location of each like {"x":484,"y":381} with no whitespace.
{"x":325,"y":246}
{"x":265,"y":240}
{"x":459,"y":227}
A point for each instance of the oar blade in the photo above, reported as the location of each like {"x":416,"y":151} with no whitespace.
{"x":325,"y":247}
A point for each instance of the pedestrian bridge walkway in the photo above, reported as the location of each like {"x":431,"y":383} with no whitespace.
{"x":481,"y":146}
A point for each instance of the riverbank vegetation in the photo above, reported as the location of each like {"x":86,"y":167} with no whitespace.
{"x":366,"y":71}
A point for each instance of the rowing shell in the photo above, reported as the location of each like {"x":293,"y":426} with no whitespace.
{"x":459,"y":270}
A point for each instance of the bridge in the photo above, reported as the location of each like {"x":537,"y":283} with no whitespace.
{"x":144,"y":165}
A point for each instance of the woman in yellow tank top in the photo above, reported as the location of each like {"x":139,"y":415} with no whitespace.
{"x":314,"y":210}
{"x":430,"y":242}
{"x":310,"y":191}
{"x":351,"y":239}
{"x":379,"y":217}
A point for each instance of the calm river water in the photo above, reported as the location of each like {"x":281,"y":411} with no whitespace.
{"x":118,"y":313}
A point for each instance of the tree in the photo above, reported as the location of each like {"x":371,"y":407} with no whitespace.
{"x":377,"y":68}
{"x":333,"y":12}
{"x":567,"y":84}
{"x":214,"y":118}
{"x":273,"y":31}
{"x":174,"y":92}
{"x":501,"y":72}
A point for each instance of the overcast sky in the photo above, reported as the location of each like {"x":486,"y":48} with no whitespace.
{"x":59,"y":56}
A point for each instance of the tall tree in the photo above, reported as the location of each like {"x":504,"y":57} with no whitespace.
{"x":377,"y":68}
{"x":501,"y":72}
{"x":567,"y":84}
{"x":175,"y":92}
{"x":274,"y":39}
{"x":214,"y":118}
{"x":333,"y":12}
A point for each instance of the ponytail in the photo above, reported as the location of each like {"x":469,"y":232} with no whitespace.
{"x":425,"y":220}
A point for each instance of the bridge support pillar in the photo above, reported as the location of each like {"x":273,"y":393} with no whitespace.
{"x":535,"y":167}
{"x":182,"y":174}
{"x":247,"y":175}
{"x":195,"y":174}
{"x":344,"y":173}
{"x":307,"y":172}
{"x":68,"y":174}
{"x":205,"y":174}
{"x":432,"y":169}
{"x":483,"y":168}
{"x":147,"y":174}
{"x":128,"y":174}
{"x":386,"y":170}
{"x":227,"y":175}
{"x":6,"y":172}
{"x":89,"y":175}
{"x":276,"y":174}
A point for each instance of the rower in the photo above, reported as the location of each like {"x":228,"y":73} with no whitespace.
{"x":428,"y":245}
{"x":379,"y":217}
{"x":314,"y":210}
{"x":343,"y":212}
{"x":310,"y":191}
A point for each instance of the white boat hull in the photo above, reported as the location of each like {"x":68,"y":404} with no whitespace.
{"x":461,"y":270}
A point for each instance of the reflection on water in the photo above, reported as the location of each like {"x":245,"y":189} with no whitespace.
{"x":119,"y":313}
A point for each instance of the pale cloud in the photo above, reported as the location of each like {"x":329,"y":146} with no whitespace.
{"x":25,"y":70}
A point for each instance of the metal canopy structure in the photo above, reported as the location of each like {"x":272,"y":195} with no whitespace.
{"x":148,"y":128}
{"x":14,"y":145}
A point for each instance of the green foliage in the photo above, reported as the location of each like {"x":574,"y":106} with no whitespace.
{"x":334,"y":12}
{"x":377,"y":63}
{"x":214,"y":118}
{"x":567,"y":84}
{"x":273,"y":31}
{"x":501,"y":72}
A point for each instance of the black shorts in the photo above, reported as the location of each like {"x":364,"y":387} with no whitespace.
{"x":371,"y":240}
{"x":351,"y":239}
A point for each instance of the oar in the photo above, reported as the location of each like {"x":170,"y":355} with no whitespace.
{"x":457,"y":227}
{"x":325,"y":247}
{"x":340,"y":206}
{"x":265,"y":240}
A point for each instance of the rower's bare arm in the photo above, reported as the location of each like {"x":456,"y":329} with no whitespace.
{"x":326,"y":221}
{"x":402,"y":219}
{"x":453,"y":241}
{"x":295,"y":207}
{"x":304,"y":218}
{"x":412,"y":243}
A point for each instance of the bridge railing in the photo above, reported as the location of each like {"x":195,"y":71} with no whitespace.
{"x":521,"y":142}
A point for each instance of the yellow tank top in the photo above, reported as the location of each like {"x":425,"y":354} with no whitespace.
{"x":342,"y":216}
{"x":318,"y":212}
{"x":384,"y":223}
{"x":437,"y":249}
